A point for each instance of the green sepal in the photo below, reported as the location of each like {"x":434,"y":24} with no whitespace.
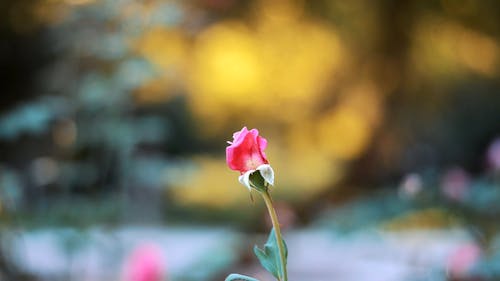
{"x":258,"y":182}
{"x":235,"y":276}
{"x":269,"y":257}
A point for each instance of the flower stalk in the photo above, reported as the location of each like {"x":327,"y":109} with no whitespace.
{"x":274,"y":220}
{"x":246,"y":155}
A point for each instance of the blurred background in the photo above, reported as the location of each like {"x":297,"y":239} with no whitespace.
{"x":383,"y":122}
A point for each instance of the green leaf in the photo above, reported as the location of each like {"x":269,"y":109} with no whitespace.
{"x":269,"y":257}
{"x":235,"y":276}
{"x":267,"y":260}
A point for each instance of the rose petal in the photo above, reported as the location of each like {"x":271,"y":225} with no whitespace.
{"x":238,"y":136}
{"x":262,"y":142}
{"x":245,"y":152}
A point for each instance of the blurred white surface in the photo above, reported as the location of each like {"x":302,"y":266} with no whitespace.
{"x":98,"y":254}
{"x":314,"y":255}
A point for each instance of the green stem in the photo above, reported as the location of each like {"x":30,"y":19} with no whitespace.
{"x":277,"y":231}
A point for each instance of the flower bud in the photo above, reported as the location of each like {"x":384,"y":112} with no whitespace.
{"x":246,"y":155}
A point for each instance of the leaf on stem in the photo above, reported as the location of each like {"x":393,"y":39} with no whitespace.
{"x":269,"y":257}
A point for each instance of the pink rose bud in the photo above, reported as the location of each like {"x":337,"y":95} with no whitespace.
{"x":145,"y":263}
{"x":246,"y":155}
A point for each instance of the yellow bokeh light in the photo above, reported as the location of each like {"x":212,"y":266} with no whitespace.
{"x":212,"y":184}
{"x":299,"y":68}
{"x":226,"y":71}
{"x":444,"y":47}
{"x":282,"y":62}
{"x":365,"y":98}
{"x":167,"y":48}
{"x":79,"y":2}
{"x":431,"y":218}
{"x":301,"y":175}
{"x":304,"y":170}
{"x":479,"y":52}
{"x":343,"y":133}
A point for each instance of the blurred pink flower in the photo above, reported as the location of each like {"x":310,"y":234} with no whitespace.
{"x":493,"y":155}
{"x":410,"y":186}
{"x":145,"y":263}
{"x":462,"y":260}
{"x":246,"y":155}
{"x":455,"y":184}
